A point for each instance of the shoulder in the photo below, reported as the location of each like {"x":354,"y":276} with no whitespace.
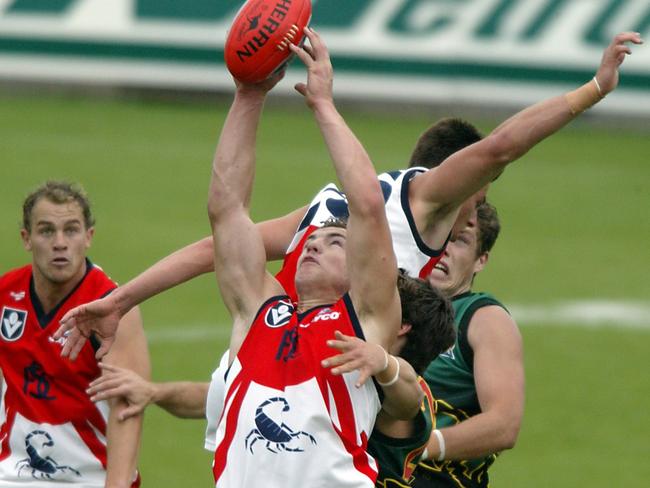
{"x":492,"y":324}
{"x":16,"y":273}
{"x":96,"y":283}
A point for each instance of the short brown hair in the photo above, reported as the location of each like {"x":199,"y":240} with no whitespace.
{"x":58,"y":192}
{"x":488,"y":227}
{"x":431,"y":318}
{"x":441,"y":140}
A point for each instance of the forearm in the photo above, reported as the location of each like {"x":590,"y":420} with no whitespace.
{"x":182,"y":399}
{"x":234,"y":160}
{"x":478,"y":436}
{"x":402,"y":392}
{"x":181,"y":266}
{"x":123,"y":442}
{"x":352,"y":164}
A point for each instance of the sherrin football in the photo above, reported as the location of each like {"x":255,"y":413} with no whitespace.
{"x":259,"y":37}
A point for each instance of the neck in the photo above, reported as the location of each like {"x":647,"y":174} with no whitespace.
{"x":49,"y":293}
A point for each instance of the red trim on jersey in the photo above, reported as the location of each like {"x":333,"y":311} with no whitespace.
{"x":427,"y":268}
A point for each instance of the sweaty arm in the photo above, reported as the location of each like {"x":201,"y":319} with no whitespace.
{"x":439,"y":192}
{"x":499,"y":379}
{"x":123,"y":437}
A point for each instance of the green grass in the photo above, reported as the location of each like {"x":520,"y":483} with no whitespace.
{"x":575,"y":221}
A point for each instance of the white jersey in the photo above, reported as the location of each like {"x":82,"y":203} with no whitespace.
{"x":214,"y":402}
{"x":413,"y":255}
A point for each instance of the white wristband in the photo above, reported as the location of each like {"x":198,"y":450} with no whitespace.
{"x":395,"y":378}
{"x":600,"y":92}
{"x":441,"y":444}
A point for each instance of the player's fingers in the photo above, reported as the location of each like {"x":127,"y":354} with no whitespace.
{"x":130,"y":411}
{"x":104,"y":383}
{"x":335,"y":360}
{"x":115,"y":391}
{"x":363,"y":377}
{"x":348,"y":366}
{"x":304,"y":56}
{"x":72,"y":337}
{"x":107,"y":367}
{"x":340,"y":345}
{"x":64,"y":327}
{"x":301,"y":88}
{"x":104,"y":348}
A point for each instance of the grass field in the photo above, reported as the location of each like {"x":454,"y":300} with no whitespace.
{"x":576,"y":226}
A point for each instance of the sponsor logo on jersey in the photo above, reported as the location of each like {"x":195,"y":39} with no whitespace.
{"x":326,"y":314}
{"x":39,"y":463}
{"x":279,"y":314}
{"x":12,"y":323}
{"x":17,"y":295}
{"x":273,"y":432}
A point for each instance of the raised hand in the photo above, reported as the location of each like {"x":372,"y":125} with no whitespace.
{"x":613,"y":56}
{"x":122,"y":383}
{"x":356,"y":354}
{"x":320,"y":74}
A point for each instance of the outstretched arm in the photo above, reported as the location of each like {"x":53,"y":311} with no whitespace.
{"x":371,"y":263}
{"x":184,"y":399}
{"x":239,"y":255}
{"x":436,"y":195}
{"x":499,"y":379}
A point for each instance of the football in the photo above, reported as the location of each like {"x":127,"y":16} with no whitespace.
{"x":258,"y":41}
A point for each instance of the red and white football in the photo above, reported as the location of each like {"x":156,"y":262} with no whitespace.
{"x":259,"y":37}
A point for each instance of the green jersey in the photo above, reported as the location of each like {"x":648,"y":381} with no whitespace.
{"x":451,"y":379}
{"x":398,"y":457}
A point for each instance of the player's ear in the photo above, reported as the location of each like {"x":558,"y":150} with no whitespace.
{"x":27,"y":242}
{"x":404,"y":329}
{"x":90,"y":232}
{"x":481,"y":261}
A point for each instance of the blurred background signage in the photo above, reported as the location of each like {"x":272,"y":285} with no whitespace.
{"x":469,"y":51}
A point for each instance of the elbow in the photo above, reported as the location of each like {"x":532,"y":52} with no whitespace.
{"x":500,"y":150}
{"x":509,"y":437}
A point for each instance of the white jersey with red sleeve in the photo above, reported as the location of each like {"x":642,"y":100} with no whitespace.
{"x":413,"y":255}
{"x":50,"y":431}
{"x":287,"y":421}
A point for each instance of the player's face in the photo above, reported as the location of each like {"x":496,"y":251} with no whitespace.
{"x":58,"y":241}
{"x":454,"y":272}
{"x":322,"y":263}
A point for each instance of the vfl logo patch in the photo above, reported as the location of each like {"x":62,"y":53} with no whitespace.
{"x":278,"y":315}
{"x":12,"y":323}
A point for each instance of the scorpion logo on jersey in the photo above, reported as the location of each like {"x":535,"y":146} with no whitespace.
{"x":276,"y":435}
{"x":38,"y":444}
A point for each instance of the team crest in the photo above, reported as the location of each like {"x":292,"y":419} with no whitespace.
{"x":273,"y":432}
{"x":12,"y":323}
{"x":39,"y":464}
{"x":279,"y":314}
